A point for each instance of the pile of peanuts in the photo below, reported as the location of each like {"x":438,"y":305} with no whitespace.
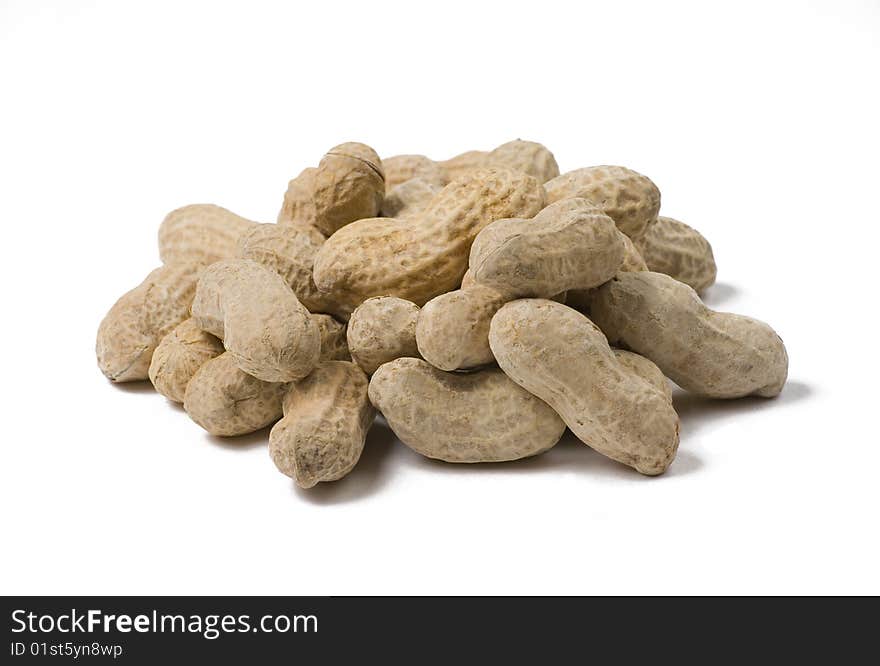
{"x":481,"y":304}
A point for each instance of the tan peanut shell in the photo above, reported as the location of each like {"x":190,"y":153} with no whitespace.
{"x":349,"y":185}
{"x":290,"y":251}
{"x":713,"y":354}
{"x":227,"y":402}
{"x":382,"y":329}
{"x":179,"y":355}
{"x":526,"y":156}
{"x":463,"y":164}
{"x":402,"y":168}
{"x":201,"y":232}
{"x":298,"y":206}
{"x":452,"y":332}
{"x":262,"y":324}
{"x":580,"y":299}
{"x":627,"y":197}
{"x":139,"y":320}
{"x":334,"y":346}
{"x":674,"y":248}
{"x":424,"y":256}
{"x":645,"y":369}
{"x":560,"y":356}
{"x":409,"y":198}
{"x":475,"y":417}
{"x":568,"y":245}
{"x":467,"y":279}
{"x":326,"y":419}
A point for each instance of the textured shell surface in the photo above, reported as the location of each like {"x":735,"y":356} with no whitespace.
{"x":137,"y":322}
{"x":382,"y":329}
{"x":402,"y":168}
{"x":526,"y":156}
{"x":409,"y":198}
{"x":569,"y":245}
{"x":629,"y":198}
{"x":452,"y":332}
{"x":260,"y":320}
{"x":349,"y":185}
{"x":471,"y":417}
{"x":228,"y":402}
{"x":680,"y":251}
{"x":463,"y":163}
{"x":290,"y":251}
{"x":608,"y":407}
{"x":298,"y":206}
{"x":179,"y":355}
{"x":645,"y":369}
{"x":201,"y":232}
{"x":421,"y":257}
{"x":326,"y":419}
{"x":334,"y":346}
{"x":708,"y":353}
{"x":580,"y":299}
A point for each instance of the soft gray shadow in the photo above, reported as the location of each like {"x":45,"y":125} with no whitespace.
{"x":369,"y":475}
{"x":249,"y":441}
{"x":719,"y":293}
{"x":697,"y":412}
{"x":142,"y":386}
{"x":569,"y":455}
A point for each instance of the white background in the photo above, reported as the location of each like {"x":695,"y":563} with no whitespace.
{"x":758,"y":122}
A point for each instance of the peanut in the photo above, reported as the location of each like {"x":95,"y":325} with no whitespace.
{"x":262,"y":324}
{"x":524,"y":156}
{"x":402,"y":168}
{"x":382,"y":329}
{"x":139,"y":320}
{"x":298,"y":207}
{"x":348,"y":185}
{"x":228,"y":402}
{"x":580,"y":299}
{"x":201,"y":232}
{"x":452,"y":332}
{"x":476,"y":417}
{"x":334,"y":346}
{"x":326,"y":419}
{"x":645,"y":369}
{"x":568,"y":245}
{"x":607,"y":406}
{"x":463,"y":164}
{"x":290,"y":251}
{"x":178,"y":356}
{"x":436,"y":292}
{"x":674,"y":248}
{"x":627,"y":197}
{"x":422,"y":257}
{"x":409,"y":199}
{"x":467,"y":279}
{"x":713,"y":354}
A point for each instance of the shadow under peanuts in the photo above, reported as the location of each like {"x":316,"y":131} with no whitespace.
{"x":697,"y":412}
{"x":249,"y":441}
{"x":719,"y":294}
{"x":367,"y":477}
